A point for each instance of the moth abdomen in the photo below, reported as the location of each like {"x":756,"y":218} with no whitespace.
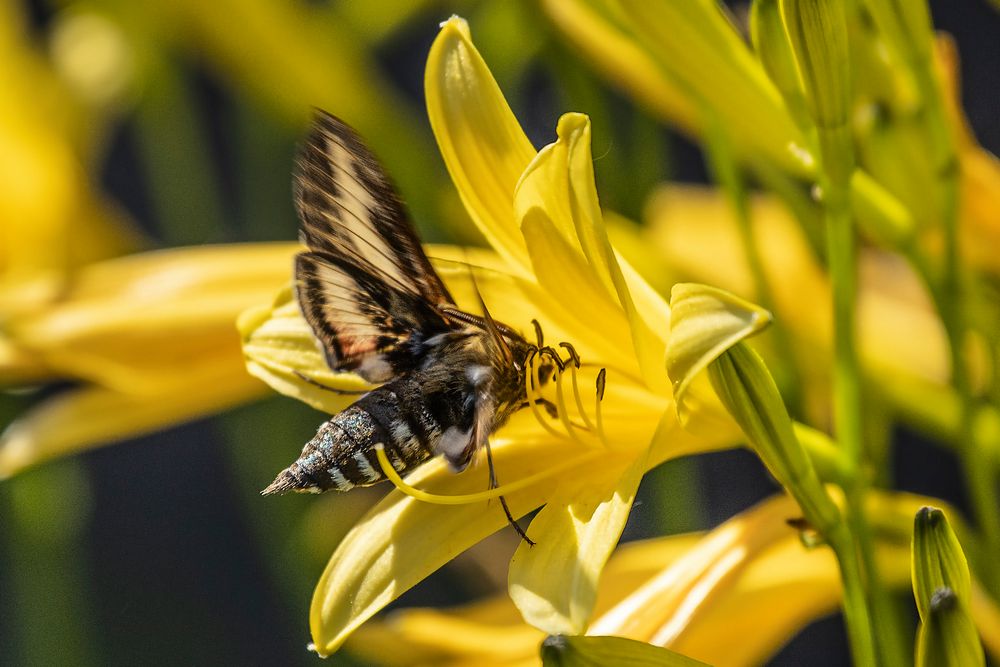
{"x":342,"y":453}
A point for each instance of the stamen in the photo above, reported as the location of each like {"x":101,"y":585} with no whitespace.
{"x":554,"y":356}
{"x":572,"y":353}
{"x":468,"y":498}
{"x":563,"y":409}
{"x":601,"y":381}
{"x":532,"y":393}
{"x":539,"y":336}
{"x":579,"y":399}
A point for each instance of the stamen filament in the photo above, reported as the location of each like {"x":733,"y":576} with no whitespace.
{"x":563,"y":410}
{"x":579,"y":399}
{"x":530,"y":390}
{"x":468,"y":498}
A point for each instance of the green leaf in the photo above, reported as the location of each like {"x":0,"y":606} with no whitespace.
{"x":566,"y":651}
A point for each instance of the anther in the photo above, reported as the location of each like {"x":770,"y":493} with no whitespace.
{"x":531,"y":393}
{"x":539,"y":336}
{"x":554,"y":356}
{"x":601,"y":381}
{"x":572,"y":353}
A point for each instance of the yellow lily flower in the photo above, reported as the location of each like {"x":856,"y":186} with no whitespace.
{"x":552,"y":261}
{"x":698,"y":594}
{"x":149,"y":339}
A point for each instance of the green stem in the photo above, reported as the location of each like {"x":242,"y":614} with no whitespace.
{"x":864,"y":596}
{"x":846,"y":372}
{"x":726,"y":171}
{"x":855,"y":604}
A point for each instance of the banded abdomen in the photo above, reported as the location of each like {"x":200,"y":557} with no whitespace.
{"x":403,"y":416}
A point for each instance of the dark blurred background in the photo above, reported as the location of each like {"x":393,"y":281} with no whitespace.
{"x":159,"y":550}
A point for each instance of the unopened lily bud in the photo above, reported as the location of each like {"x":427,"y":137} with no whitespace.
{"x":942,"y":588}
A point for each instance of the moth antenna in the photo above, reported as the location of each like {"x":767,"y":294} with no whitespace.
{"x":503,"y":501}
{"x":316,"y":383}
{"x":491,"y":325}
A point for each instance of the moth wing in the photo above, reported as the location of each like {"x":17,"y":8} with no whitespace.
{"x":349,"y":208}
{"x":364,"y":325}
{"x":366,"y":287}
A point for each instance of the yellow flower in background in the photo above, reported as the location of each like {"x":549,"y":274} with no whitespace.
{"x":52,"y":222}
{"x":699,"y":594}
{"x":693,"y":230}
{"x":551,"y":261}
{"x":148,"y":341}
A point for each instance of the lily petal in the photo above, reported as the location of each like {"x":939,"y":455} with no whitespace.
{"x":179,"y":303}
{"x":84,"y":418}
{"x":643,"y":322}
{"x":482,"y":143}
{"x":554,"y":582}
{"x":402,"y":540}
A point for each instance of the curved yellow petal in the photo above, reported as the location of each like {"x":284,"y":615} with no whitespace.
{"x":648,"y":323}
{"x":402,"y":540}
{"x":491,"y":631}
{"x":482,"y":143}
{"x":705,"y":322}
{"x":84,"y":418}
{"x":554,"y":582}
{"x":280,"y":349}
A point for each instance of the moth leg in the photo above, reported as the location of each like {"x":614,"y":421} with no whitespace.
{"x":315,"y":383}
{"x":503,"y":501}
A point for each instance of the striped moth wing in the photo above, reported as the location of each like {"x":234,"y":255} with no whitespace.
{"x":365,"y":286}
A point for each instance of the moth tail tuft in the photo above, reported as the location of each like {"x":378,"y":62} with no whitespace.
{"x":282,"y":484}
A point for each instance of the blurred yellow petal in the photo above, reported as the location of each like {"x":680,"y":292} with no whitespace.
{"x":18,"y":366}
{"x":696,"y":46}
{"x":482,"y":143}
{"x":697,"y":235}
{"x":129,"y":324}
{"x":661,"y":609}
{"x":52,"y":221}
{"x":622,"y":62}
{"x":554,"y":582}
{"x":152,"y":337}
{"x":83,"y":418}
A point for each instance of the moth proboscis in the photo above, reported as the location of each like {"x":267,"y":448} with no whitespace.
{"x":447,"y":379}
